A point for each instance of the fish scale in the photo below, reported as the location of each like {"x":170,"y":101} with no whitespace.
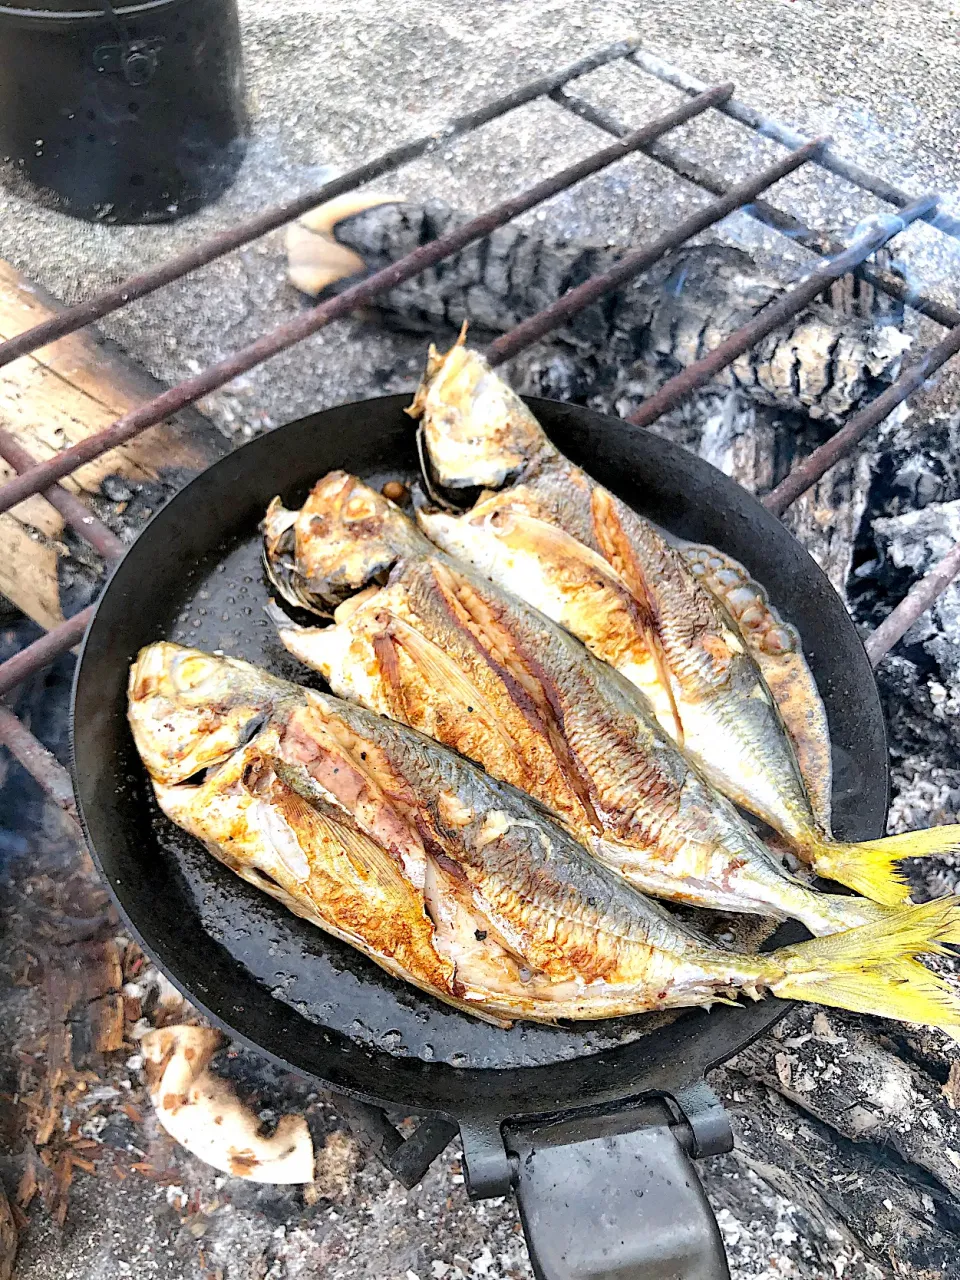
{"x":580,"y":738}
{"x":541,"y":522}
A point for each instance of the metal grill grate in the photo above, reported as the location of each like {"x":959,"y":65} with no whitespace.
{"x":43,"y":478}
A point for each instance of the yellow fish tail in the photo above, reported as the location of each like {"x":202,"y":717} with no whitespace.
{"x":872,"y":969}
{"x":870,"y":868}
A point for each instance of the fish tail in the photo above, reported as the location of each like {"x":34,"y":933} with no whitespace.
{"x":870,"y":867}
{"x":872,"y":969}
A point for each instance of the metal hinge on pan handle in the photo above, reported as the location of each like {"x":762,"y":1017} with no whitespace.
{"x":408,"y":1159}
{"x":612,"y":1196}
{"x":135,"y":60}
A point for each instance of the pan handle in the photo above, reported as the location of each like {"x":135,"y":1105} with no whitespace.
{"x":615,"y":1198}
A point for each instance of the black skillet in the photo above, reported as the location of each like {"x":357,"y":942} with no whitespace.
{"x":590,"y":1123}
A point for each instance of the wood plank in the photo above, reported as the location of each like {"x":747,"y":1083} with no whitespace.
{"x":55,"y":397}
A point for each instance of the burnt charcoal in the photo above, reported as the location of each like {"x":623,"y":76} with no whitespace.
{"x":81,"y":573}
{"x":919,"y":464}
{"x":911,"y":544}
{"x":827,"y":360}
{"x":125,"y":506}
{"x":912,"y":519}
{"x":116,"y":489}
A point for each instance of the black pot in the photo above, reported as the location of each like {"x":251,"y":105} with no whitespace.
{"x":121,"y":112}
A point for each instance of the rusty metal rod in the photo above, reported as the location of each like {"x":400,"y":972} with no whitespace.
{"x":818,"y":463}
{"x":139,"y":286}
{"x":43,"y":651}
{"x":37,"y":760}
{"x":914,"y":605}
{"x":631,"y":264}
{"x":287,"y":335}
{"x":818,"y":242}
{"x":74,"y":512}
{"x":774,"y":315}
{"x":768,"y":127}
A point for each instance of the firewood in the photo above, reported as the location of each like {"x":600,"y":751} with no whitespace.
{"x":8,"y":1238}
{"x":52,"y":398}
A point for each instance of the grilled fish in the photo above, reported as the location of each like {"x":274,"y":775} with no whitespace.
{"x":545,"y":530}
{"x":442,"y":649}
{"x":824,"y":363}
{"x":453,"y":881}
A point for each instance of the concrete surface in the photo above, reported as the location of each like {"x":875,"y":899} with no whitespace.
{"x":336,"y":82}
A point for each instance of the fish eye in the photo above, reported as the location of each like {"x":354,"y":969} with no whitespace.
{"x":359,"y":508}
{"x":190,"y":671}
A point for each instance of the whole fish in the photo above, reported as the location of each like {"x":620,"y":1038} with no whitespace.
{"x":827,"y":360}
{"x":453,"y":881}
{"x":442,"y":649}
{"x":546,"y":530}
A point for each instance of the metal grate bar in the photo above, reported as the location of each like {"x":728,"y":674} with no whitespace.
{"x":914,"y":604}
{"x":43,"y":651}
{"x":808,"y":472}
{"x":528,"y":331}
{"x":768,"y":127}
{"x":74,"y":512}
{"x":40,"y":477}
{"x":774,"y":315}
{"x":819,"y":242}
{"x":37,"y":760}
{"x":140,"y":286}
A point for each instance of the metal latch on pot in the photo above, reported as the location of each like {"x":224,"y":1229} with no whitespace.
{"x":135,"y":60}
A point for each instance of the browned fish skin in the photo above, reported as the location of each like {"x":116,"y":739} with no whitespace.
{"x":654,"y":620}
{"x":608,"y":575}
{"x":500,"y":910}
{"x":443,"y":650}
{"x":775,"y":647}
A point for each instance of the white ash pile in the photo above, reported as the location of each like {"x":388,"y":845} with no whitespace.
{"x":912,"y":519}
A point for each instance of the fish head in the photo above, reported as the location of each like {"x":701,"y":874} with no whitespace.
{"x":345,"y":537}
{"x":475,"y":432}
{"x":190,"y":711}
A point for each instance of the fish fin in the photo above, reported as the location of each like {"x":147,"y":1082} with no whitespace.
{"x":870,"y":868}
{"x":440,"y":671}
{"x":909,"y":993}
{"x":618,"y":551}
{"x":872,"y":969}
{"x":369,"y":860}
{"x":298,"y":778}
